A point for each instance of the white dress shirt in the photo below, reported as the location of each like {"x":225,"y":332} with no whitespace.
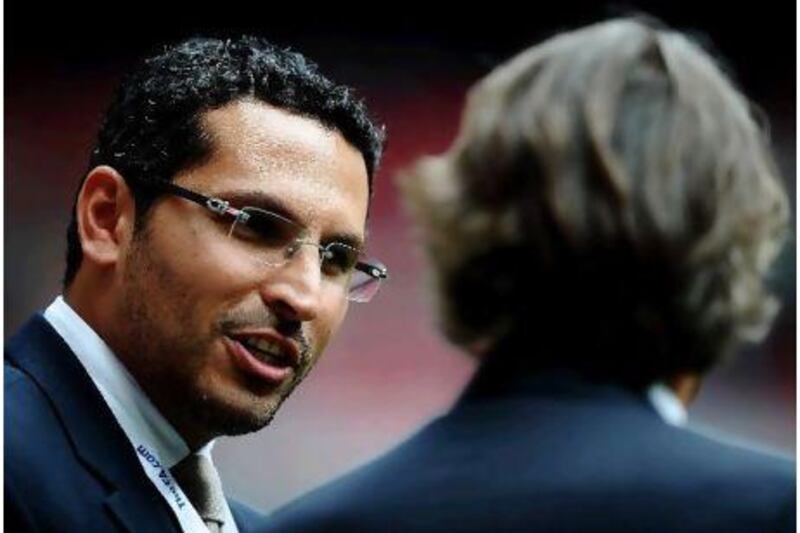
{"x":667,"y":404}
{"x":135,"y":413}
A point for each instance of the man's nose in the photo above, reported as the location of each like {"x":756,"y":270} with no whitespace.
{"x":294,"y":289}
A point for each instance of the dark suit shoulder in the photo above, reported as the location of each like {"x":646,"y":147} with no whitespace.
{"x":536,"y":463}
{"x":20,"y":473}
{"x":12,"y":376}
{"x":247,"y":518}
{"x":27,"y":410}
{"x":722,"y":473}
{"x":68,"y":465}
{"x":724,"y":455}
{"x":35,"y":440}
{"x":43,"y":478}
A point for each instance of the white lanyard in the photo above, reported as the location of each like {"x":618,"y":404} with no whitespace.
{"x":186,"y":514}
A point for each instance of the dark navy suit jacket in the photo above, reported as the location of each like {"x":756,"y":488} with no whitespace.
{"x":554,"y":452}
{"x":68,"y":465}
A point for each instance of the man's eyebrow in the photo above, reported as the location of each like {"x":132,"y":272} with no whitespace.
{"x":240,"y":198}
{"x":350,"y":239}
{"x":245,"y":198}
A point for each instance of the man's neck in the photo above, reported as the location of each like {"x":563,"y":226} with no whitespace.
{"x":685,"y":386}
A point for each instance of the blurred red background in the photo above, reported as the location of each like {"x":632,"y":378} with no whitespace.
{"x":388,"y":371}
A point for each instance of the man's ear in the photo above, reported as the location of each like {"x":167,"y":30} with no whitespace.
{"x":105,"y":213}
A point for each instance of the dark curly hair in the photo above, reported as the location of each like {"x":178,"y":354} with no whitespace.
{"x":153,"y":128}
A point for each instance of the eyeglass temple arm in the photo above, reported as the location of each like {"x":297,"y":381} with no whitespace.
{"x":214,"y":204}
{"x":376,"y":271}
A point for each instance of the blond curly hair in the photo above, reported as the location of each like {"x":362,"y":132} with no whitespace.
{"x":611,"y":193}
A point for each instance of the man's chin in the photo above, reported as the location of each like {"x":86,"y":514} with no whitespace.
{"x":225,"y":417}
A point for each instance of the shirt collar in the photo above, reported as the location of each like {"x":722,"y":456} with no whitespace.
{"x":667,"y":404}
{"x":139,"y":418}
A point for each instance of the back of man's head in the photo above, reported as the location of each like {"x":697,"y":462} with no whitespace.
{"x":610,"y":203}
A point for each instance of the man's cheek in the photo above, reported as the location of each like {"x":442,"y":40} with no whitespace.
{"x":322,"y":336}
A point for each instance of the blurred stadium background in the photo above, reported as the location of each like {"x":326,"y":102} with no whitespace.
{"x":388,"y":371}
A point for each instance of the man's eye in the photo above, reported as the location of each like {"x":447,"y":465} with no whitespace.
{"x":267,"y":228}
{"x":338,"y":258}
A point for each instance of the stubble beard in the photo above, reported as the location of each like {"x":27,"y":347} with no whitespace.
{"x":164,"y":351}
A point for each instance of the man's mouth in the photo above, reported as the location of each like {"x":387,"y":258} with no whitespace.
{"x":263,"y":356}
{"x":267,"y":351}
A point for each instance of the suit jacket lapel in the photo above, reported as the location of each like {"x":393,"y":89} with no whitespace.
{"x":99,"y":442}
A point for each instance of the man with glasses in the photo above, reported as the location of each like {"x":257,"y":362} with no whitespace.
{"x":216,"y":241}
{"x":599,"y":235}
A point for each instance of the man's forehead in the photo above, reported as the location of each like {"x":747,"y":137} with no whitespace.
{"x":267,"y":136}
{"x":262,"y":152}
{"x":257,"y":126}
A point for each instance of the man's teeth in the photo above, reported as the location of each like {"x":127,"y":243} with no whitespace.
{"x":269,"y":351}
